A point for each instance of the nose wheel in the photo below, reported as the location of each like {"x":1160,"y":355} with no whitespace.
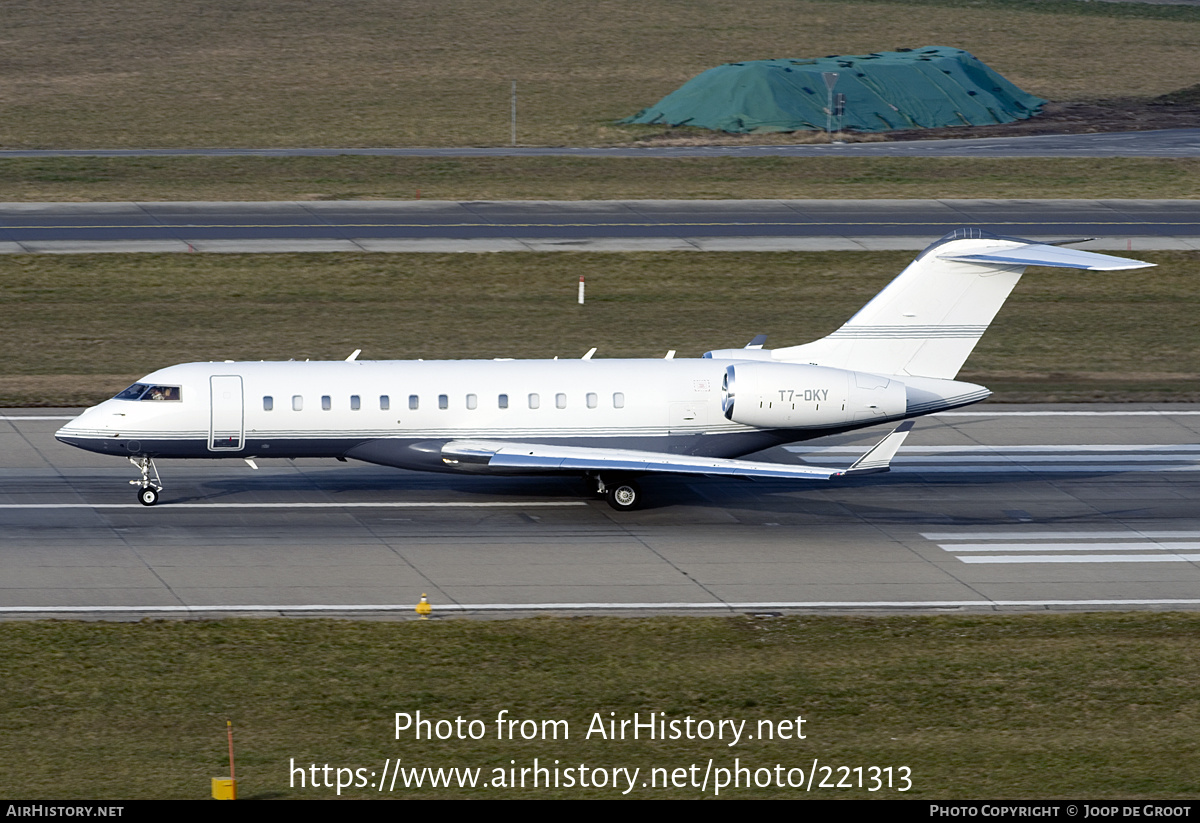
{"x":148,"y":487}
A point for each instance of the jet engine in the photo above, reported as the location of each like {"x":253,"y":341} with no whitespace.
{"x":790,"y":396}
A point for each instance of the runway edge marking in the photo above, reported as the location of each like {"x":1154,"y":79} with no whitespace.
{"x":536,"y":607}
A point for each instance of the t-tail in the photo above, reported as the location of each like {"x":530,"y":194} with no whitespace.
{"x":926,"y":322}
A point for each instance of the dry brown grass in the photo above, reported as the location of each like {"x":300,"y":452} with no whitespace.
{"x":578,"y":178}
{"x":1014,"y":706}
{"x":70,"y":336}
{"x":409,"y":72}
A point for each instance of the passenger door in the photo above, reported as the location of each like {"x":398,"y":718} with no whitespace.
{"x":226,"y":429}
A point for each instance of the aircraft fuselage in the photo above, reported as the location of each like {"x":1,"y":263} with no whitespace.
{"x":400,"y":413}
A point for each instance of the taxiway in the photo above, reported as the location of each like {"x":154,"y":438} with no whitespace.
{"x":993,"y":507}
{"x":586,"y":225}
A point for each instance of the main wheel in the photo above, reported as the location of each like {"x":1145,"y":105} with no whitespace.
{"x":148,"y":496}
{"x":624,"y":496}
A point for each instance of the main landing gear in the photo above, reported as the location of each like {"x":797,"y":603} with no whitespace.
{"x":148,"y":488}
{"x":621,"y":493}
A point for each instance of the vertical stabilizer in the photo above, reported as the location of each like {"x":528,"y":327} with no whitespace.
{"x":927,"y":321}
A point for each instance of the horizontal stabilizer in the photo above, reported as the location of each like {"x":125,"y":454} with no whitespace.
{"x":927,"y":321}
{"x":535,"y":457}
{"x":1039,"y":254}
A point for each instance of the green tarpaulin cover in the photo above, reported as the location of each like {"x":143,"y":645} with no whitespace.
{"x":918,"y":88}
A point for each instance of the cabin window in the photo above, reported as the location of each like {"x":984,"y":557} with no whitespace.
{"x":593,"y":400}
{"x":326,"y":403}
{"x":534,"y":401}
{"x":618,"y":400}
{"x":443,"y":401}
{"x":472,"y":401}
{"x":355,"y":403}
{"x":414,"y":402}
{"x":502,"y":401}
{"x":297,"y":403}
{"x":560,"y":400}
{"x":385,"y":402}
{"x":268,"y":403}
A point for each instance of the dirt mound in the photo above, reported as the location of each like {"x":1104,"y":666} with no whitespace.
{"x":1174,"y":110}
{"x":1166,"y":112}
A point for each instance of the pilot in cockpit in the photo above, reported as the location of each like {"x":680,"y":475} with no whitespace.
{"x":162,"y":393}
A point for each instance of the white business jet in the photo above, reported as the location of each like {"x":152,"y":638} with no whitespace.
{"x":608,"y":420}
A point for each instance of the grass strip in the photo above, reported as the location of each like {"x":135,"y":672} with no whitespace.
{"x":1066,"y":8}
{"x":561,"y":178}
{"x":1097,"y":706}
{"x":147,"y":73}
{"x":77,"y":328}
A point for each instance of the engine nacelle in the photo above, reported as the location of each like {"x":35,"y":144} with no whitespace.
{"x":788,"y":396}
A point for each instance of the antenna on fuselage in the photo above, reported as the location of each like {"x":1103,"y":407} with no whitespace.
{"x":353,"y":355}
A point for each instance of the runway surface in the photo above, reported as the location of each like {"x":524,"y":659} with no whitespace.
{"x":989,"y":508}
{"x":596,"y":225}
{"x":1157,"y":143}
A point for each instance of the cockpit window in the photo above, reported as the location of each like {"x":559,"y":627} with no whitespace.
{"x":142,"y":391}
{"x":162,"y":393}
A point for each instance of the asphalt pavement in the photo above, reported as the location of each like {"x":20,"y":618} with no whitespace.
{"x":991,"y":508}
{"x":588,"y":225}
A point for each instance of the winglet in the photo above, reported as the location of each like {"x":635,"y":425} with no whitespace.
{"x":879,"y":459}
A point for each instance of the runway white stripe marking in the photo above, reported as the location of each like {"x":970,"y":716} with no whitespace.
{"x":983,"y":452}
{"x":1018,"y":534}
{"x":1069,"y":414}
{"x":1042,"y":458}
{"x":1055,"y":459}
{"x":1086,"y":558}
{"x":33,"y":417}
{"x":1130,"y":541}
{"x":1018,"y":467}
{"x":535,"y":607}
{"x":1070,"y":547}
{"x":1081,"y":448}
{"x":400,"y":505}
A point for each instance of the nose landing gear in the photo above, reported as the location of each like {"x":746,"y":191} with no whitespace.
{"x":148,"y":488}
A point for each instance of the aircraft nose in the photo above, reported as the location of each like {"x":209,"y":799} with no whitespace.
{"x":71,"y":429}
{"x":86,"y":430}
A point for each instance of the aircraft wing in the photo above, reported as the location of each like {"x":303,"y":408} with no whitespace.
{"x":535,"y":456}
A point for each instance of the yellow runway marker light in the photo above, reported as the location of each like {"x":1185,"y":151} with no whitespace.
{"x":423,"y":608}
{"x":225,"y":788}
